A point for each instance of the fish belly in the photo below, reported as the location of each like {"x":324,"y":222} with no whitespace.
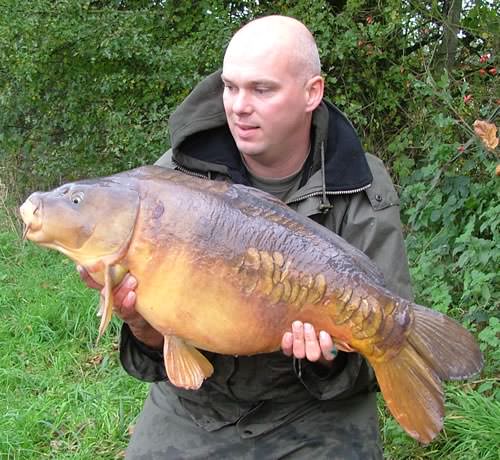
{"x":242,"y":305}
{"x":206,"y":305}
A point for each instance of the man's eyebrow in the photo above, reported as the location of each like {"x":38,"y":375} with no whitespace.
{"x":225,"y":79}
{"x":264,"y":81}
{"x":256,"y":82}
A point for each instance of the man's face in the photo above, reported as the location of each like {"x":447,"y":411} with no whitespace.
{"x":264,"y":101}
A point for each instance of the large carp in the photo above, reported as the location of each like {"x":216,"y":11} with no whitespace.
{"x":227,"y":268}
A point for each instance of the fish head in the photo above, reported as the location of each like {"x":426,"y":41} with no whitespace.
{"x":89,"y":221}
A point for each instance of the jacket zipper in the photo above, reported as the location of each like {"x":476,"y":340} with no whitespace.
{"x":295,"y":200}
{"x":339,"y":192}
{"x":188,"y":171}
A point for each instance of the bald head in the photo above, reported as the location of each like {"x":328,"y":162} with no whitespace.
{"x":272,"y":85}
{"x":278,"y":35}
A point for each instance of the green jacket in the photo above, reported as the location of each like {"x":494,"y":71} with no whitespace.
{"x":344,"y":189}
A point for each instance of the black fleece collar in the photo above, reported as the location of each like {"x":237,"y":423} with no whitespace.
{"x":346,"y":167}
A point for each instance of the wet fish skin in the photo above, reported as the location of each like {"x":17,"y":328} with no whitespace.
{"x":227,"y":268}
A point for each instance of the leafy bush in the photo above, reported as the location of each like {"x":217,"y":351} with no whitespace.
{"x":450,"y":202}
{"x":87,"y":87}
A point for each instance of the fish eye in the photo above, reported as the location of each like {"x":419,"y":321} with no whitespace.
{"x":76,"y":198}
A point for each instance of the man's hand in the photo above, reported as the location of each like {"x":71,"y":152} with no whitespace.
{"x":124,"y":298}
{"x":302,"y":342}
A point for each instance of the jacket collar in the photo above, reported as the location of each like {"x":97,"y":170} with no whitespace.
{"x":201,"y":141}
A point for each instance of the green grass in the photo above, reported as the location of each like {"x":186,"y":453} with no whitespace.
{"x":60,"y":395}
{"x":470,"y":430}
{"x":63,"y":397}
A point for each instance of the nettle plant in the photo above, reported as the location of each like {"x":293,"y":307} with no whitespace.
{"x":450,"y":204}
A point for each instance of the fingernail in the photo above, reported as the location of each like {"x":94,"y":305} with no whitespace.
{"x":131,"y":283}
{"x":307,"y":327}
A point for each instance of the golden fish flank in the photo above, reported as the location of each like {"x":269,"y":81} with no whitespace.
{"x":286,"y":267}
{"x":271,"y":276}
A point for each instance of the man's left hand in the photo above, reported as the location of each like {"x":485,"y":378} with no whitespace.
{"x":302,"y":342}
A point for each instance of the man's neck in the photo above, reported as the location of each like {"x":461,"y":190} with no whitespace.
{"x":282,"y":166}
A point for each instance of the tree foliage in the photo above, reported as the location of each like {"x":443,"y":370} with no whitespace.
{"x":87,"y":86}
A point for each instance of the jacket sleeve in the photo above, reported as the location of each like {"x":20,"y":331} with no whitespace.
{"x":138,"y":360}
{"x":371,"y":222}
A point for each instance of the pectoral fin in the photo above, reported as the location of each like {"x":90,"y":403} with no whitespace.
{"x":186,"y":366}
{"x":106,"y":307}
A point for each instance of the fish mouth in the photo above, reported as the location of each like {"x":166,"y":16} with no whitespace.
{"x":27,"y":228}
{"x":31,"y":211}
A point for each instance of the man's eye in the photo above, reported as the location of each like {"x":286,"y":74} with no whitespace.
{"x":261,"y":90}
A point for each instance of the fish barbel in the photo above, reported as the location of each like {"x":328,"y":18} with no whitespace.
{"x":227,"y":268}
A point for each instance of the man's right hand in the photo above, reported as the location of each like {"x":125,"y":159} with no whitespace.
{"x":124,"y":298}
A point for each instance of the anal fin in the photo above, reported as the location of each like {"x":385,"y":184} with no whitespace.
{"x":186,"y":367}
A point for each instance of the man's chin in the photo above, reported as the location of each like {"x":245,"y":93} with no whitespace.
{"x":249,"y":148}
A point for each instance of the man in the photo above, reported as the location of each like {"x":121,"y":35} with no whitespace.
{"x":263,"y":122}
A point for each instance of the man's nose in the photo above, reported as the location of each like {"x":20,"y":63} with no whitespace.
{"x":241,"y":102}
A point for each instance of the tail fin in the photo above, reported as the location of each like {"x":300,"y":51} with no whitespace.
{"x":436,"y":349}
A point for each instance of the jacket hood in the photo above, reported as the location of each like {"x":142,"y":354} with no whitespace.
{"x":201,"y":140}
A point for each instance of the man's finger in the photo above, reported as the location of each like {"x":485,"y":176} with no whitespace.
{"x":120,"y":293}
{"x":86,"y":278}
{"x":127,"y":310}
{"x":328,"y":349}
{"x":287,"y":343}
{"x":298,"y":340}
{"x":313,"y":350}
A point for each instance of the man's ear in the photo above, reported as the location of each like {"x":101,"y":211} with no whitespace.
{"x":314,"y":92}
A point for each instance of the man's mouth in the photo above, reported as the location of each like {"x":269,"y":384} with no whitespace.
{"x":245,"y":130}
